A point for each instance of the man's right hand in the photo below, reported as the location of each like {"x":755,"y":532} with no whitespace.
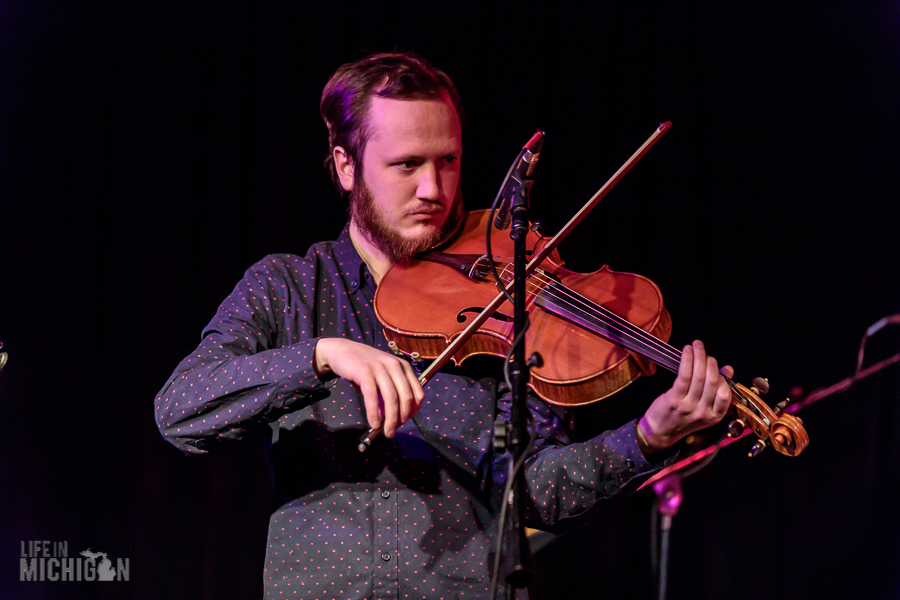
{"x":390,"y":388}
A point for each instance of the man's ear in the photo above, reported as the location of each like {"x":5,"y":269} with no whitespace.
{"x":344,"y":167}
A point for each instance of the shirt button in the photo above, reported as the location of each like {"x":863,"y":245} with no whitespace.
{"x":385,"y":494}
{"x":386,"y":556}
{"x":629,"y":463}
{"x":353,"y":284}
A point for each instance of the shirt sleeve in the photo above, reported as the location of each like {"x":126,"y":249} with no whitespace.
{"x":245,"y":371}
{"x":568,"y":480}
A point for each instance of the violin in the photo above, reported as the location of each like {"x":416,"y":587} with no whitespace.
{"x":597,"y":332}
{"x":585,"y":366}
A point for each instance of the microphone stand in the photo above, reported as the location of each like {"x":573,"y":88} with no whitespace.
{"x":668,"y":499}
{"x":517,"y":553}
{"x":667,"y":483}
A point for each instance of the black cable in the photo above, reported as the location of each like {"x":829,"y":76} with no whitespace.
{"x":510,"y":478}
{"x":872,"y":330}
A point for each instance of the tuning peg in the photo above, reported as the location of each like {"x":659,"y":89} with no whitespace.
{"x":416,"y":357}
{"x":760,"y":386}
{"x":779,"y":408}
{"x":756,"y":448}
{"x":394,"y":348}
{"x":736,"y":428}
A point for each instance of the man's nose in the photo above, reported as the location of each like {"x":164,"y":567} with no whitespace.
{"x":429,"y":184}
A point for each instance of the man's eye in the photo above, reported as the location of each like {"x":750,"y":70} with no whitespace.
{"x":451,"y":159}
{"x":407,"y":165}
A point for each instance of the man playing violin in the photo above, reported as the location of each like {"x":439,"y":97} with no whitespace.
{"x":296,"y":349}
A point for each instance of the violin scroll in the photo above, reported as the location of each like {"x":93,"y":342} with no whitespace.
{"x":784,"y":432}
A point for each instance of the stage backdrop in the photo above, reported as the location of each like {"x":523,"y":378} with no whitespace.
{"x":149,"y":155}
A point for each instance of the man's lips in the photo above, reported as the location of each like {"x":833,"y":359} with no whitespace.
{"x":425,"y":211}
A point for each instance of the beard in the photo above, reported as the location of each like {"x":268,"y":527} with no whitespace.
{"x":397,"y":248}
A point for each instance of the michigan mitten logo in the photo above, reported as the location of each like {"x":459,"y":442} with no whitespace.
{"x":43,"y":560}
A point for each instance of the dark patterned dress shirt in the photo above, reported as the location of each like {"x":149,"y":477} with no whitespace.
{"x":414,"y":517}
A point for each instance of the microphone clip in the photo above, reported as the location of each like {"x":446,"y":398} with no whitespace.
{"x":517,"y":190}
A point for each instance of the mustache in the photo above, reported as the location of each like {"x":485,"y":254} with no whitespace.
{"x":431,"y":208}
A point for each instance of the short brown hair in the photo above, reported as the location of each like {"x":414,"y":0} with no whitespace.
{"x":345,"y":99}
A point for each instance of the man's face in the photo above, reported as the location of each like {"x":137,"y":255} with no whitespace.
{"x":405,"y":198}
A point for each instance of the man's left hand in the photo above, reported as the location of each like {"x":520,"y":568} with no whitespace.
{"x":698,"y":399}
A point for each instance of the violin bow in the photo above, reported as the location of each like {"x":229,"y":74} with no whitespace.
{"x":545,"y":251}
{"x":438,"y":363}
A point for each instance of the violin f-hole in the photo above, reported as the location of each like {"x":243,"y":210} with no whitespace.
{"x":462,"y":318}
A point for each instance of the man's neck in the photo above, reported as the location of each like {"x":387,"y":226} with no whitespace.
{"x":375,"y":260}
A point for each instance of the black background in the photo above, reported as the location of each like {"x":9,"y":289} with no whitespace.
{"x":148,"y":155}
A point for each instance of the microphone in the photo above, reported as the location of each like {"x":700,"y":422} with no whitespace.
{"x":524,"y":169}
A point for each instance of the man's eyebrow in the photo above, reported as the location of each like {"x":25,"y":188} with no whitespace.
{"x":393,"y":158}
{"x":404,"y":158}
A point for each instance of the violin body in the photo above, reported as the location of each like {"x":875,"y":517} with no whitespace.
{"x":423,"y":306}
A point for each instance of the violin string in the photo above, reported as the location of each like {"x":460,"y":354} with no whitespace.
{"x":604,"y":315}
{"x":624,"y":326}
{"x":601,"y":314}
